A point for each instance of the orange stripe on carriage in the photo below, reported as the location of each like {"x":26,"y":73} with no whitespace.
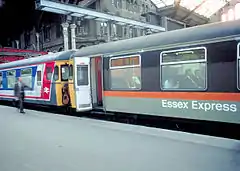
{"x":176,"y":95}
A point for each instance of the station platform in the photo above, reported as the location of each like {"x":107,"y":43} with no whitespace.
{"x":38,"y":141}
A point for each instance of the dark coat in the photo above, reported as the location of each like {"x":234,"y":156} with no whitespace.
{"x":16,"y":90}
{"x":19,"y":91}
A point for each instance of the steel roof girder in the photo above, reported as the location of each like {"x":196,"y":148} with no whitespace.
{"x":72,"y":9}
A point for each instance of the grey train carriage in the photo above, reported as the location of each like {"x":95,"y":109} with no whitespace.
{"x":190,"y":73}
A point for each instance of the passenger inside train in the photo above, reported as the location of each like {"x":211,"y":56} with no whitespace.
{"x":191,"y":79}
{"x":127,"y":77}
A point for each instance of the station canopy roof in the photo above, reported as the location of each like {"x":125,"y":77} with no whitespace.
{"x":205,"y":8}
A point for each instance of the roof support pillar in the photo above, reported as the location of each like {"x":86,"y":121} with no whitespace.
{"x":17,"y":44}
{"x":65,"y":35}
{"x":73,"y":35}
{"x":109,"y":25}
{"x":126,"y":27}
{"x":138,"y":32}
{"x":38,"y":42}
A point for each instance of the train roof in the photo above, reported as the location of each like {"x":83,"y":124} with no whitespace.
{"x":65,"y":55}
{"x":181,"y":36}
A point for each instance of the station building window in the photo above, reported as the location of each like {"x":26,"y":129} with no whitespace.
{"x":1,"y":80}
{"x":47,"y":33}
{"x":26,"y":75}
{"x":11,"y":78}
{"x":125,"y":73}
{"x":184,"y":69}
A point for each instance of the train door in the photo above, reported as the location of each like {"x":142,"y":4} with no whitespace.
{"x":82,"y":84}
{"x":98,"y":71}
{"x":71,"y":84}
{"x":38,"y":86}
{"x":96,"y":81}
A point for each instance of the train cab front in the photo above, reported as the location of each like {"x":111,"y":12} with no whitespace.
{"x":61,"y":80}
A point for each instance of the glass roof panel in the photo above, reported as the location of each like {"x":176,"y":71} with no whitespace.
{"x":163,"y":3}
{"x":237,"y":11}
{"x":203,"y":7}
{"x":208,"y":8}
{"x":191,"y":4}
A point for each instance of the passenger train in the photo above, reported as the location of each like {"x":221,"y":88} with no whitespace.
{"x":190,"y":73}
{"x":41,"y":75}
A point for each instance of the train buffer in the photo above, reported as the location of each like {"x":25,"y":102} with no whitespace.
{"x":43,"y":141}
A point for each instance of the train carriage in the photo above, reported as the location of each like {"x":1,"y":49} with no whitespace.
{"x":191,"y":73}
{"x":45,"y":77}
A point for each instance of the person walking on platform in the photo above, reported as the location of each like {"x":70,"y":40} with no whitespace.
{"x":15,"y":101}
{"x":19,"y":92}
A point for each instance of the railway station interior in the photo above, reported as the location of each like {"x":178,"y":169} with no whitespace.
{"x":120,"y":85}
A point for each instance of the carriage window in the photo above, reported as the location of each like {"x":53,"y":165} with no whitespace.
{"x":1,"y":79}
{"x":82,"y":75}
{"x":49,"y":73}
{"x":70,"y":72}
{"x":238,"y":50}
{"x":184,"y":69}
{"x":125,"y":73}
{"x":39,"y":76}
{"x":56,"y":73}
{"x":26,"y":75}
{"x":239,"y":73}
{"x":238,"y":61}
{"x":64,"y":72}
{"x":11,"y":78}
